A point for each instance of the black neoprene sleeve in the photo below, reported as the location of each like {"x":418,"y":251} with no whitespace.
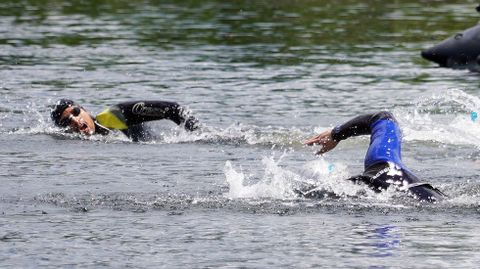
{"x":360,"y":125}
{"x":142,"y":111}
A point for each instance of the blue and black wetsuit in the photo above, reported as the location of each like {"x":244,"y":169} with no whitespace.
{"x":383,"y":161}
{"x":129,"y":117}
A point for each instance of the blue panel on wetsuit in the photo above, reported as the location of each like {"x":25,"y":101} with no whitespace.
{"x":385,"y":143}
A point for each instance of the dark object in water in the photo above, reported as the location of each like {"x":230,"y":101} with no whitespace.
{"x":460,"y":51}
{"x":421,"y":192}
{"x":401,"y":180}
{"x":313,"y":192}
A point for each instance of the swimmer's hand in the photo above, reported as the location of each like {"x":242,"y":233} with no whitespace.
{"x":324,"y":139}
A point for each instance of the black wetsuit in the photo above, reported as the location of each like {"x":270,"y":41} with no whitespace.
{"x":383,"y":163}
{"x":129,"y":117}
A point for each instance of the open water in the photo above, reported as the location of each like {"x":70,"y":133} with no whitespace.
{"x":262,"y":76}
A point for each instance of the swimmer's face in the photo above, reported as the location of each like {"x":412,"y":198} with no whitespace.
{"x":78,"y":120}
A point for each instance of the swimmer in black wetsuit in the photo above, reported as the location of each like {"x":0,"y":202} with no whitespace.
{"x":128,"y":117}
{"x":383,"y":163}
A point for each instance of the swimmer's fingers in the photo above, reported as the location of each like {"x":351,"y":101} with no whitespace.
{"x":312,"y":141}
{"x":325,"y":140}
{"x":319,"y":139}
{"x":327,"y":146}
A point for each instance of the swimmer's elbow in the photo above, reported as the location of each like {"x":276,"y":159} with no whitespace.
{"x":383,"y":115}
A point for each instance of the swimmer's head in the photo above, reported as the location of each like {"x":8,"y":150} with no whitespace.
{"x":67,"y":113}
{"x":58,"y":109}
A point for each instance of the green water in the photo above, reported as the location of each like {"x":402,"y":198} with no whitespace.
{"x":287,"y":32}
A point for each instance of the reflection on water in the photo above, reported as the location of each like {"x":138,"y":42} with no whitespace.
{"x":387,"y":240}
{"x":378,"y":243}
{"x":286,"y":33}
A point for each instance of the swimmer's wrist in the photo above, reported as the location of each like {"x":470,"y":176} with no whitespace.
{"x":335,"y":134}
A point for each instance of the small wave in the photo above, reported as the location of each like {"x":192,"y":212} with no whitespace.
{"x":260,"y":197}
{"x":451,"y":101}
{"x":59,"y":133}
{"x":179,"y":203}
{"x":443,"y":118}
{"x":239,"y":134}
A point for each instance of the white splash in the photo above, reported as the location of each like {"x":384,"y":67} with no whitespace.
{"x":276,"y":182}
{"x":280,"y":183}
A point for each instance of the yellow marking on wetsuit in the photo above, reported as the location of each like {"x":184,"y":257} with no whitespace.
{"x":109,"y":120}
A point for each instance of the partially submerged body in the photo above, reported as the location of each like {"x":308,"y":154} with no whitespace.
{"x":128,"y":117}
{"x":383,"y":164}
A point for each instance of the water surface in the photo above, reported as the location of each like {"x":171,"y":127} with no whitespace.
{"x":261,"y":76}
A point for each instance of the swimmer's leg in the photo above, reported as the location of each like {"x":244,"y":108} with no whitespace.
{"x":427,"y":193}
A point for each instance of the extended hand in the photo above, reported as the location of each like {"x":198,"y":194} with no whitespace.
{"x":324,"y":139}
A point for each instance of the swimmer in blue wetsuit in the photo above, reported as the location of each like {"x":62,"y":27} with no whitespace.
{"x":128,"y":117}
{"x":383,"y":162}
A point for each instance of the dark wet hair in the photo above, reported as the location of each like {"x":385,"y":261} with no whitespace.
{"x":58,"y":108}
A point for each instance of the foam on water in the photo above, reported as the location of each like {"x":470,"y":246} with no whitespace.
{"x":443,"y":118}
{"x":47,"y":129}
{"x":281,"y":182}
{"x":276,"y":183}
{"x":239,"y":134}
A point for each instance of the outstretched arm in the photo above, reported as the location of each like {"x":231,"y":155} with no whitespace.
{"x":133,"y":113}
{"x":360,"y":125}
